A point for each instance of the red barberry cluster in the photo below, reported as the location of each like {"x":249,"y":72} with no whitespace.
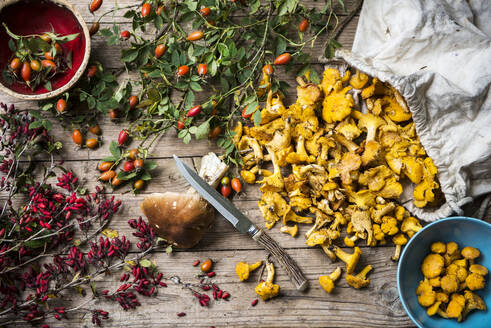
{"x":99,"y":315}
{"x":144,"y":232}
{"x":67,"y":181}
{"x":102,"y":252}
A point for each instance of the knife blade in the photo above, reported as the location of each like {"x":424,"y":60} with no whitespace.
{"x":241,"y":222}
{"x":222,"y":204}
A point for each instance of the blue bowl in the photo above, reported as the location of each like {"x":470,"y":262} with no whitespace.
{"x":465,"y":232}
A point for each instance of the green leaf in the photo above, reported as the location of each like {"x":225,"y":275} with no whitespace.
{"x":224,"y":84}
{"x":12,"y":45}
{"x":48,"y":86}
{"x":145,"y":263}
{"x":257,"y":117}
{"x":255,"y":5}
{"x":280,"y":46}
{"x":46,"y":107}
{"x":36,"y":124}
{"x":47,"y":125}
{"x":145,"y":176}
{"x":195,"y":86}
{"x":203,"y":130}
{"x":341,"y":2}
{"x":213,"y":68}
{"x":252,"y":108}
{"x":35,"y":114}
{"x":336,"y":44}
{"x":93,"y":288}
{"x":175,"y":60}
{"x":114,"y":149}
{"x":126,"y":175}
{"x":67,"y":38}
{"x":314,"y":77}
{"x":150,"y":165}
{"x":223,"y":49}
{"x":129,"y":55}
{"x":168,"y":249}
{"x":188,"y":101}
{"x":329,"y":52}
{"x":106,"y":32}
{"x":91,"y":102}
{"x":129,"y":14}
{"x":192,"y":5}
{"x":7,"y":77}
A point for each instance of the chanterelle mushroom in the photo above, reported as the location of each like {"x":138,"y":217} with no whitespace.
{"x":183,"y":218}
{"x":362,"y":223}
{"x":327,"y":282}
{"x":266,"y":289}
{"x":243,"y":269}
{"x":359,"y":280}
{"x":337,"y":104}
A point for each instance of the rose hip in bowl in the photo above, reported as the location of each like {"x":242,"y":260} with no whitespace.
{"x":28,"y":17}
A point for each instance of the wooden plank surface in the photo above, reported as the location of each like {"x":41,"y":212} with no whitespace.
{"x":376,"y":306}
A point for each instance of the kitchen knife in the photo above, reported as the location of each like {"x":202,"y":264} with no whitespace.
{"x":242,"y":223}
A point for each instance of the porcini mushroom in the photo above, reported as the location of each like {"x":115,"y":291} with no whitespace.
{"x":183,"y":218}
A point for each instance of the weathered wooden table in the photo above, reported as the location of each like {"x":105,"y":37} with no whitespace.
{"x":376,"y":306}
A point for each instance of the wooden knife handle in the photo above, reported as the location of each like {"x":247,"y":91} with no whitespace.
{"x":294,"y":272}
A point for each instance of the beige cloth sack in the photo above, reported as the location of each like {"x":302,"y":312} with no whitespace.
{"x":438,"y":56}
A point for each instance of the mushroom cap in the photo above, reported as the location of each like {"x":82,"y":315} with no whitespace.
{"x":357,"y":281}
{"x":452,"y":247}
{"x":470,"y":253}
{"x":432,"y":265}
{"x":479,"y":269}
{"x":474,"y":281}
{"x":438,"y":247}
{"x":326,"y":283}
{"x":179,"y":218}
{"x":267,"y":290}
{"x":456,"y":306}
{"x":427,"y":298}
{"x":242,"y":270}
{"x":449,"y":283}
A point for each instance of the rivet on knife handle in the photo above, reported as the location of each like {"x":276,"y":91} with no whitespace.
{"x":296,"y":275}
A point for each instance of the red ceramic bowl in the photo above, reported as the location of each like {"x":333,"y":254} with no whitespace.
{"x":25,"y":17}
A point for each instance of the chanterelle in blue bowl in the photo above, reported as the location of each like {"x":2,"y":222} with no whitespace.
{"x":465,"y":232}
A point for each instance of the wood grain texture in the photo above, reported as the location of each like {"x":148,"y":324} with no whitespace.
{"x":376,"y":306}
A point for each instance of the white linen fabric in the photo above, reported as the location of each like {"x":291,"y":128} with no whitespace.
{"x":437,"y":54}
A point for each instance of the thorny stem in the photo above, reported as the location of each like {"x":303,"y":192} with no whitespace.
{"x":344,"y":22}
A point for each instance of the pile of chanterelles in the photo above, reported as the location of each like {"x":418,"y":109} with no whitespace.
{"x":339,"y":153}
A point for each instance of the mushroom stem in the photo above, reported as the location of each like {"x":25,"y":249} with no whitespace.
{"x":270,"y":268}
{"x":363,"y":273}
{"x":301,"y":81}
{"x":335,"y":274}
{"x":330,"y":254}
{"x":397,"y":253}
{"x":350,"y":259}
{"x":350,"y":145}
{"x":212,"y":169}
